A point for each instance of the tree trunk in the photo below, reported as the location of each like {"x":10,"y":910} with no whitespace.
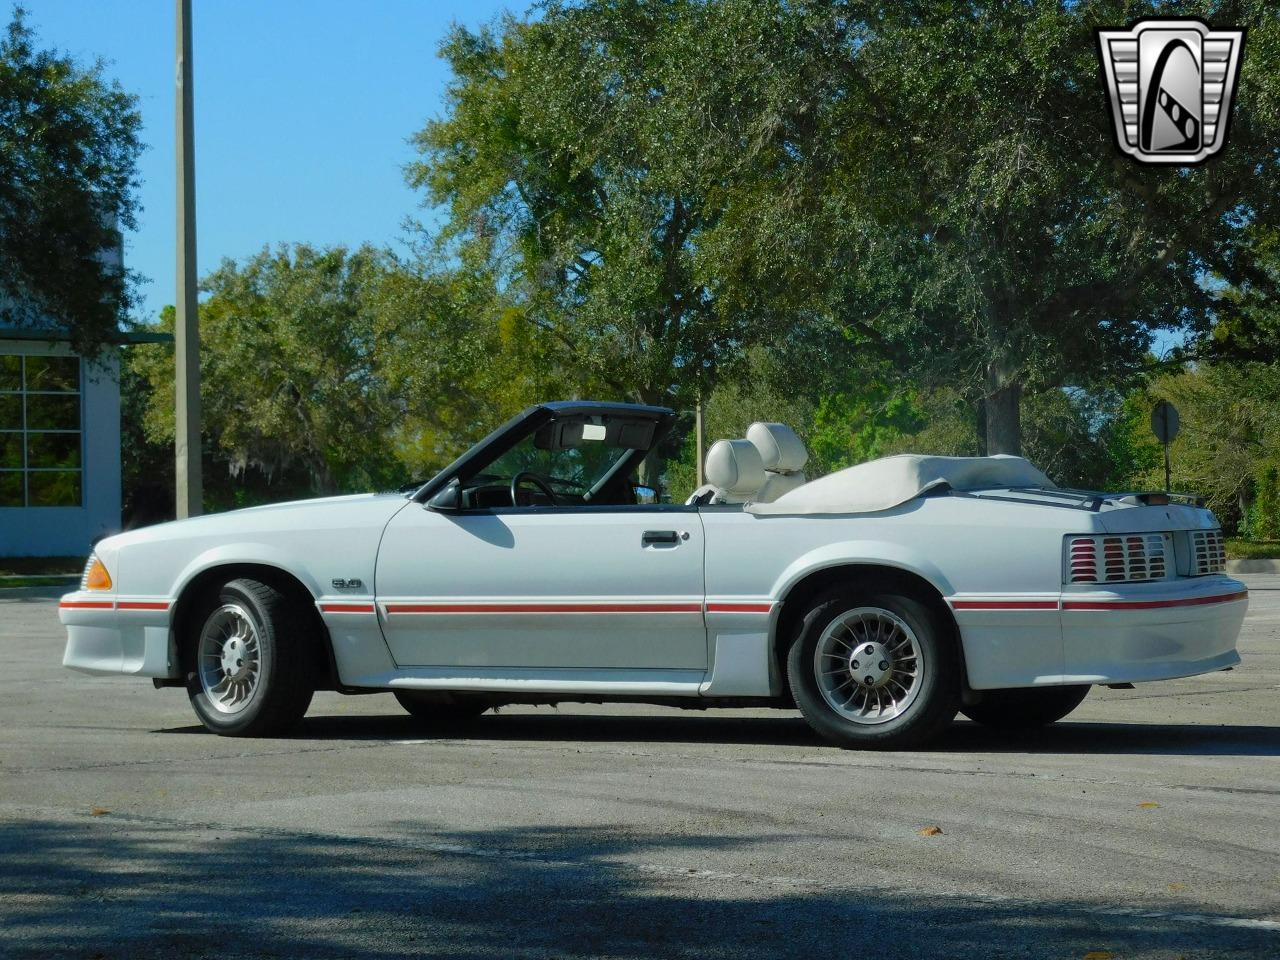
{"x":1245,"y":497}
{"x":1003,"y":403}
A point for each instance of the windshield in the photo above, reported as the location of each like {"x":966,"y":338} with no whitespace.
{"x":576,"y":458}
{"x":571,"y":469}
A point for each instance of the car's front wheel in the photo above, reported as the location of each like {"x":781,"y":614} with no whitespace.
{"x":874,"y":670}
{"x":1025,"y":708}
{"x":249,"y":674}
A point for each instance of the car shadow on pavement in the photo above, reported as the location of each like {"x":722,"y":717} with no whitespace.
{"x":126,"y":887}
{"x":560,"y":726}
{"x":789,"y":730}
{"x":1090,"y":737}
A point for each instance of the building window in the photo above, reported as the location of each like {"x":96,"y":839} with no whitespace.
{"x":40,"y":463}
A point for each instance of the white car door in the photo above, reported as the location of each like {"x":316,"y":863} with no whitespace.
{"x":604,"y":588}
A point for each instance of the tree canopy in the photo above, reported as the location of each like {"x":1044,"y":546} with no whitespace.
{"x":68,"y":153}
{"x":294,"y":375}
{"x":664,"y":184}
{"x":328,"y":369}
{"x":896,"y":226}
{"x":572,"y":171}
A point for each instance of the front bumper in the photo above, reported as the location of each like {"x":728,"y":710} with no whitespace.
{"x":109,"y":635}
{"x":1138,"y":632}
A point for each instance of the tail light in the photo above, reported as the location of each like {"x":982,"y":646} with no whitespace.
{"x":1126,"y":558}
{"x":1208,"y":552}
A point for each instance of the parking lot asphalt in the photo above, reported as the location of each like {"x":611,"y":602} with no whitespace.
{"x":1146,"y":825}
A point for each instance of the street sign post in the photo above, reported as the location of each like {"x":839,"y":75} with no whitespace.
{"x":1164,"y":424}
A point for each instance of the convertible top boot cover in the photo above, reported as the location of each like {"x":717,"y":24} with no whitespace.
{"x":890,"y":481}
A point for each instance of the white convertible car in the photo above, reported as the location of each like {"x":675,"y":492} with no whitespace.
{"x":880,"y":599}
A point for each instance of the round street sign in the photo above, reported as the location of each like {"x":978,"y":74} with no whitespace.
{"x":1164,"y":421}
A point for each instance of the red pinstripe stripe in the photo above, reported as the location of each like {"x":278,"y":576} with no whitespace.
{"x":1152,"y":604}
{"x":739,"y":607}
{"x":544,"y":608}
{"x":1005,"y":604}
{"x":142,"y":605}
{"x":346,"y":608}
{"x":86,"y":605}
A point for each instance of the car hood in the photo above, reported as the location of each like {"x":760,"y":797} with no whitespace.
{"x":355,"y":509}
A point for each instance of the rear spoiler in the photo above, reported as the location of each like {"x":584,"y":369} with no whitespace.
{"x":1157,"y":498}
{"x":1091,"y":500}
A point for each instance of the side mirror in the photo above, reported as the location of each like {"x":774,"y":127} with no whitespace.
{"x":448,"y":499}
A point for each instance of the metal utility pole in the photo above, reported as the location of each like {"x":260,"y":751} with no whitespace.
{"x":186,"y":351}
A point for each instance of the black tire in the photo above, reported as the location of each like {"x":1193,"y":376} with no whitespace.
{"x":934,"y":703}
{"x":286,"y":677}
{"x":442,"y":712}
{"x":1025,"y":708}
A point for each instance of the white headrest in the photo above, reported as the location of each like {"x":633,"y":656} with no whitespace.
{"x":734,"y":467}
{"x":781,"y":450}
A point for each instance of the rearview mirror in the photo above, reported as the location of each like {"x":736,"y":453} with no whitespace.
{"x":448,"y":499}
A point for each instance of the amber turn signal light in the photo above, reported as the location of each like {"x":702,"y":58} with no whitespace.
{"x":97,"y":578}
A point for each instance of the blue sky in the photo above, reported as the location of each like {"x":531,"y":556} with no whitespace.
{"x":302,"y":109}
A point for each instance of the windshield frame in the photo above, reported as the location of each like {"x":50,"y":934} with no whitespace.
{"x":529,"y":421}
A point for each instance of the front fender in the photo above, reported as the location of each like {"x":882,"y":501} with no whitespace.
{"x":255,"y":552}
{"x":867,"y":552}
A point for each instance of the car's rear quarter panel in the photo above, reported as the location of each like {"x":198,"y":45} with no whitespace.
{"x":1000,"y":561}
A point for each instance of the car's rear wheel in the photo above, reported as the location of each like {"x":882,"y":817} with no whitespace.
{"x":1025,"y":708}
{"x":874,"y":670}
{"x":249,"y":673}
{"x":443,"y":711}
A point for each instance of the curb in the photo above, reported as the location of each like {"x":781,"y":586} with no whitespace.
{"x":1253,"y":565}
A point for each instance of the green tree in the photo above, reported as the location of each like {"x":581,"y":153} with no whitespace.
{"x":295,"y":393}
{"x":147,"y":464}
{"x":1133,"y":454}
{"x":663,"y":184}
{"x":573,"y":174}
{"x":1015,"y":250}
{"x":1247,"y":321}
{"x":464,"y":360}
{"x":1267,"y":508}
{"x":1230,"y":416}
{"x":327,"y":370}
{"x":68,"y":178}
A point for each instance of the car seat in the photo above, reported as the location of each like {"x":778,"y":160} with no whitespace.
{"x":734,"y":473}
{"x":783,"y":455}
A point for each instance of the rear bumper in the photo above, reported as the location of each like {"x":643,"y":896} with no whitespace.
{"x":1152,"y":631}
{"x":114,"y":636}
{"x":1118,"y":634}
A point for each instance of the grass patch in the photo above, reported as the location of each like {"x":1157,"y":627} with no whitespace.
{"x":41,"y":566}
{"x":7,"y":582}
{"x":1253,"y":549}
